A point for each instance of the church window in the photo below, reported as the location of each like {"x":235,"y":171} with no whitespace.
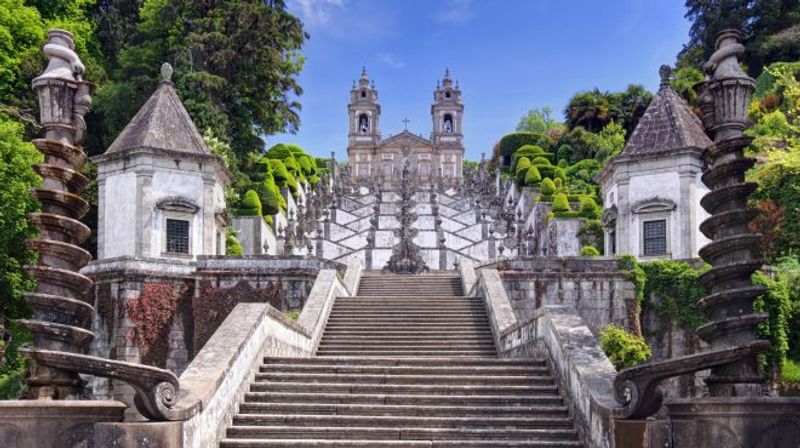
{"x":178,"y":236}
{"x":447,"y":94}
{"x":363,"y":123}
{"x":655,"y":237}
{"x":447,"y":124}
{"x":363,"y":94}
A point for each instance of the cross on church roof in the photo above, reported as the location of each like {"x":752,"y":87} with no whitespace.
{"x":405,"y":122}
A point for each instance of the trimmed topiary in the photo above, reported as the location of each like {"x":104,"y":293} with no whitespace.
{"x":589,"y":251}
{"x":560,"y":203}
{"x":563,"y":164}
{"x":548,"y":187}
{"x":270,"y":198}
{"x":283,"y":178}
{"x":541,"y":161}
{"x":532,"y":177}
{"x":232,"y":245}
{"x":251,"y":204}
{"x":522,"y":165}
{"x":589,"y":208}
{"x":279,"y":151}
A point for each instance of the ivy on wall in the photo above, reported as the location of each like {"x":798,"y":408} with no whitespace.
{"x":152,"y":312}
{"x":672,"y":289}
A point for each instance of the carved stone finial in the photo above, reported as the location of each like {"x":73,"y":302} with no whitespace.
{"x":166,"y":72}
{"x":63,"y":63}
{"x":665,"y":72}
{"x":724,"y":62}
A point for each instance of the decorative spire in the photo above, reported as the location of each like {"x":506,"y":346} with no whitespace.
{"x":447,"y":73}
{"x":665,"y":72}
{"x":166,"y":72}
{"x":364,"y":80}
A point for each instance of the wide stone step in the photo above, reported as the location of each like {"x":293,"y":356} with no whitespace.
{"x":317,"y":443}
{"x":409,"y":362}
{"x":410,"y":433}
{"x":379,"y":340}
{"x":407,"y":353}
{"x":395,"y":314}
{"x":427,"y":380}
{"x":359,"y":332}
{"x":328,"y":345}
{"x":402,"y":410}
{"x":549,"y":398}
{"x":391,"y":421}
{"x":406,"y":370}
{"x":421,"y":389}
{"x":409,"y":320}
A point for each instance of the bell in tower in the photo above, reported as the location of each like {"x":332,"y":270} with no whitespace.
{"x":447,"y":111}
{"x":364,"y":112}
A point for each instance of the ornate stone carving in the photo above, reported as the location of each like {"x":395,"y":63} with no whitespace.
{"x":60,"y":325}
{"x":405,"y":257}
{"x":734,"y":254}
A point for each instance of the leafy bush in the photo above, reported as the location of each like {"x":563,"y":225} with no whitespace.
{"x":623,"y":348}
{"x":522,"y":164}
{"x":510,"y":143}
{"x":283,"y":178}
{"x":232,"y":245}
{"x":271,"y":200}
{"x":590,"y":251}
{"x":251,"y":204}
{"x":589,"y":208}
{"x":532,"y":177}
{"x":560,"y":203}
{"x":548,"y":187}
{"x":293,"y":315}
{"x":777,"y":303}
{"x":591,"y":234}
{"x":279,"y":151}
{"x":541,"y":161}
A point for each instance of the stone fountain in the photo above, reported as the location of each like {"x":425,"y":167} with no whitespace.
{"x":59,"y":407}
{"x":737,"y":413}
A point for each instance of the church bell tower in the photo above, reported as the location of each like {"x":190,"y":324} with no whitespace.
{"x":447,"y":112}
{"x":364,"y":112}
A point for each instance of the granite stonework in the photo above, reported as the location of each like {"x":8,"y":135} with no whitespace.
{"x":55,"y":423}
{"x":255,"y":236}
{"x":584,"y":373}
{"x":595,"y":286}
{"x":162,"y":312}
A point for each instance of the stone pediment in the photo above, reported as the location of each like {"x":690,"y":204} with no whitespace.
{"x":405,"y":138}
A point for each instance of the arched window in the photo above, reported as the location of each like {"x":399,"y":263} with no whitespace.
{"x":363,"y":123}
{"x":447,"y":124}
{"x":447,"y":94}
{"x":363,"y":94}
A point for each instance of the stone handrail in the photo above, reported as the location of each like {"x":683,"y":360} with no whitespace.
{"x":215,"y":381}
{"x":352,"y":276}
{"x":319,"y":303}
{"x":583,"y":371}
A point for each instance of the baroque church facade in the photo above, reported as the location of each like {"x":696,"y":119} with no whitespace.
{"x":371,"y":157}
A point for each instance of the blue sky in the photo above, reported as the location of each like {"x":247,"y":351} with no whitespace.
{"x":509,"y":56}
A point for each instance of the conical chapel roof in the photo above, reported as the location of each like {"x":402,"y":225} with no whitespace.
{"x":667,"y":124}
{"x":161,"y":124}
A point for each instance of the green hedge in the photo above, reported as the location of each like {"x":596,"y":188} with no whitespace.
{"x":283,"y":178}
{"x":589,"y":208}
{"x":232,"y":245}
{"x":279,"y":151}
{"x":251,"y":204}
{"x":532,"y":177}
{"x":271,"y":200}
{"x":560,"y":203}
{"x":590,"y":251}
{"x":548,"y":187}
{"x":510,"y":143}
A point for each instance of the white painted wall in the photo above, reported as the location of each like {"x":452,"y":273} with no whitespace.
{"x":119,"y":202}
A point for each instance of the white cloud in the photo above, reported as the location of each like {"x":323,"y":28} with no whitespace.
{"x":317,"y":12}
{"x":391,"y":60}
{"x":456,"y":11}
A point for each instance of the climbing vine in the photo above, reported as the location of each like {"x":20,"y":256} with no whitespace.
{"x":152,"y":313}
{"x":677,"y":287}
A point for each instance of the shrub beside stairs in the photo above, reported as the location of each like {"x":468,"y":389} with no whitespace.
{"x":408,"y":362}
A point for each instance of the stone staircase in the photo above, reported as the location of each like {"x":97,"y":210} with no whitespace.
{"x":408,"y":362}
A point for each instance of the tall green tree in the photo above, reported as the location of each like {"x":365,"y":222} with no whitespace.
{"x":589,"y":109}
{"x":539,"y":121}
{"x":236,"y":64}
{"x":771,"y":30}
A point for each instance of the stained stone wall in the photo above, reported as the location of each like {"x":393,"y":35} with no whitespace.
{"x":595,"y":286}
{"x":161,"y":312}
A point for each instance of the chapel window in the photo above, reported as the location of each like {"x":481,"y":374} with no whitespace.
{"x":363,"y":94}
{"x":447,"y":94}
{"x":655,"y":237}
{"x":363,"y":123}
{"x":177,"y":236}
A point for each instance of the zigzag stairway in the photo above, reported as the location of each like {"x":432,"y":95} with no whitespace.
{"x":408,"y":362}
